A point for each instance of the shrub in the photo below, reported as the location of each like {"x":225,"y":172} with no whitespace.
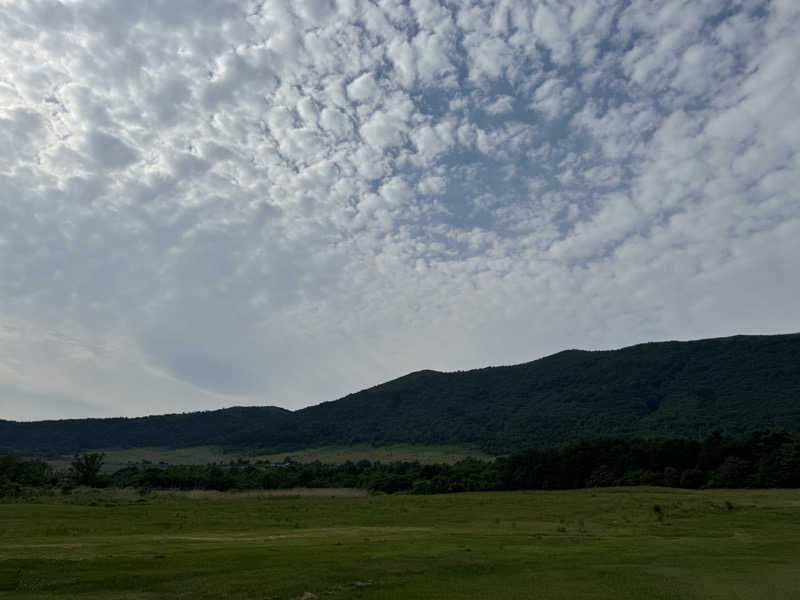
{"x":693,"y":479}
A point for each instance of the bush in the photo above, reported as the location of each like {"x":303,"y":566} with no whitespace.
{"x":693,"y":479}
{"x":9,"y":489}
{"x":672,"y":478}
{"x":734,"y":472}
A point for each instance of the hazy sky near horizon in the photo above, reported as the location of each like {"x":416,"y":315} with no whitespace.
{"x":211,"y":203}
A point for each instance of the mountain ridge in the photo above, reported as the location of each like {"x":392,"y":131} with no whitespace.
{"x":687,"y":388}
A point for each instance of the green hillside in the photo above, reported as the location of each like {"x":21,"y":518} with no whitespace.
{"x":734,"y":385}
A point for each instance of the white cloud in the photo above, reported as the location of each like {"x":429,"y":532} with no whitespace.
{"x":432,"y":186}
{"x":383,"y":130}
{"x":282,"y":202}
{"x":110,"y":153}
{"x":363,"y":89}
{"x":501,"y":105}
{"x":552,"y":98}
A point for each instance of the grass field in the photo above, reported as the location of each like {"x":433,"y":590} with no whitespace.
{"x":394,"y":452}
{"x":602,"y":543}
{"x":116,"y":458}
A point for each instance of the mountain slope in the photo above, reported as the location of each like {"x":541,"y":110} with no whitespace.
{"x":232,"y":427}
{"x":670,"y":388}
{"x":734,"y":384}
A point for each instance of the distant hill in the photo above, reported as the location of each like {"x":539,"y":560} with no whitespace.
{"x":734,"y":385}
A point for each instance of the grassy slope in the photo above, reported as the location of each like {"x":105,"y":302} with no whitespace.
{"x":116,"y":458}
{"x":393,"y":452}
{"x":581,"y":544}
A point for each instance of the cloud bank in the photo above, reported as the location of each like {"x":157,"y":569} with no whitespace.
{"x":208,"y":203}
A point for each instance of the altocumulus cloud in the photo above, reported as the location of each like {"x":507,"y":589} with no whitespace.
{"x":206,"y":203}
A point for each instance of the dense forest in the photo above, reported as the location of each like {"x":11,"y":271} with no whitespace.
{"x":688,"y":389}
{"x":761,"y":459}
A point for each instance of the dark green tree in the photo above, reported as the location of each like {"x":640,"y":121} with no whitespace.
{"x":85,"y":468}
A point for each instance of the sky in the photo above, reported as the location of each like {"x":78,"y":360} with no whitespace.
{"x":213,"y":203}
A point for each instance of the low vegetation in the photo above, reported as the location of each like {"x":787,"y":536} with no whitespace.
{"x":304,"y":531}
{"x":609,"y":543}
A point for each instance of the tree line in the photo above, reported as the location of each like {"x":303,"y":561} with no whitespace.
{"x":758,"y":460}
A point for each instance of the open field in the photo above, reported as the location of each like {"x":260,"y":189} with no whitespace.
{"x":600,"y":543}
{"x":117,"y":458}
{"x":394,"y":452}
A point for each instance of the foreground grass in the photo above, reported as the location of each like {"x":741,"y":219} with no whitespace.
{"x":607,"y":543}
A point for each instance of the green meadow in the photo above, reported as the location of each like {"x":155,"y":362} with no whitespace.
{"x":599,"y":543}
{"x":117,"y":458}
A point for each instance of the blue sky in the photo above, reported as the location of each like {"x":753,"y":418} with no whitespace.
{"x":206,"y":204}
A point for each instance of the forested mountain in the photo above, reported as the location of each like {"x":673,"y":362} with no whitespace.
{"x":733,"y":385}
{"x":239,"y":427}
